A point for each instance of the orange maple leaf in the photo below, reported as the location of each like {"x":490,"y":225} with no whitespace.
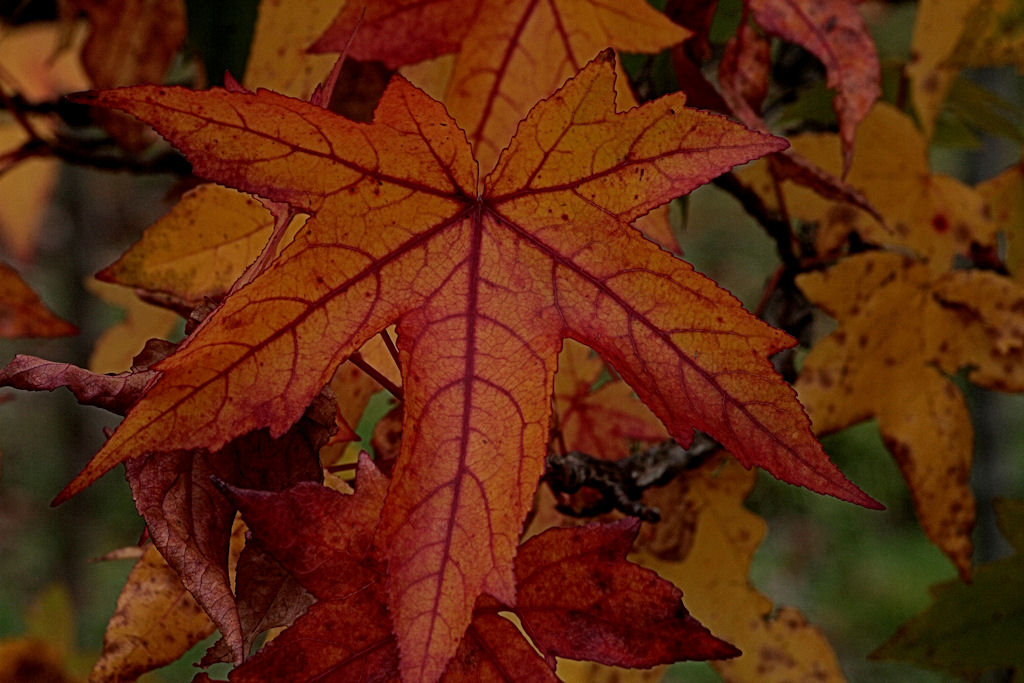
{"x":509,"y":54}
{"x":600,"y":421}
{"x":484,"y":279}
{"x":22,"y":314}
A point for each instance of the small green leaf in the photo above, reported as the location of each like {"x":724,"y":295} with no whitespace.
{"x":970,"y":627}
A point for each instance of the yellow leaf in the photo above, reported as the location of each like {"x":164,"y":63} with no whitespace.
{"x":25,"y":190}
{"x":204,"y":244}
{"x":900,"y":327}
{"x":937,"y":30}
{"x":704,"y":544}
{"x":42,"y":60}
{"x":34,"y":66}
{"x":949,"y":36}
{"x":116,"y":347}
{"x":1004,"y":195}
{"x":572,"y":671}
{"x":156,"y":622}
{"x":31,"y":660}
{"x":992,"y":35}
{"x":936,"y":216}
{"x":199,"y":248}
{"x":278,"y":59}
{"x":51,"y":617}
{"x":983,"y":313}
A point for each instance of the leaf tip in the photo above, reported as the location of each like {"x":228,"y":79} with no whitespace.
{"x":236,"y":495}
{"x":852,"y":493}
{"x":65,"y":495}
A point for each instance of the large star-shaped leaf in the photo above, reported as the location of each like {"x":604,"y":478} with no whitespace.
{"x":484,"y":278}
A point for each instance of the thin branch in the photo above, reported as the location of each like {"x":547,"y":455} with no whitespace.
{"x":79,"y":151}
{"x":165,"y":162}
{"x":360,"y":362}
{"x":777,"y":228}
{"x":30,"y":148}
{"x":16,"y":102}
{"x":769,"y":292}
{"x":19,"y":115}
{"x":392,"y":349}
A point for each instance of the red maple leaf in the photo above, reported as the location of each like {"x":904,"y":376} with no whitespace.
{"x":578,"y":597}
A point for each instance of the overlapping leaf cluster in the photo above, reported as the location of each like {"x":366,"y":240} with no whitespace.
{"x":482,"y":257}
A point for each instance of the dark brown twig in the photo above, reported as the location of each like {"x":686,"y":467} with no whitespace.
{"x":360,"y":362}
{"x":777,"y":228}
{"x":390,"y":344}
{"x":621,"y":483}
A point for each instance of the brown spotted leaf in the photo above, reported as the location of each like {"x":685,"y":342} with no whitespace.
{"x":155,"y":623}
{"x":936,"y":216}
{"x":901,"y":329}
{"x":704,"y":544}
{"x":949,"y":36}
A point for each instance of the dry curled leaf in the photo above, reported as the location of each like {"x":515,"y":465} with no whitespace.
{"x":156,"y":622}
{"x":834,"y":32}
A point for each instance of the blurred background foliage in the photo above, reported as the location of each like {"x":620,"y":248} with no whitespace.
{"x":855,"y":573}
